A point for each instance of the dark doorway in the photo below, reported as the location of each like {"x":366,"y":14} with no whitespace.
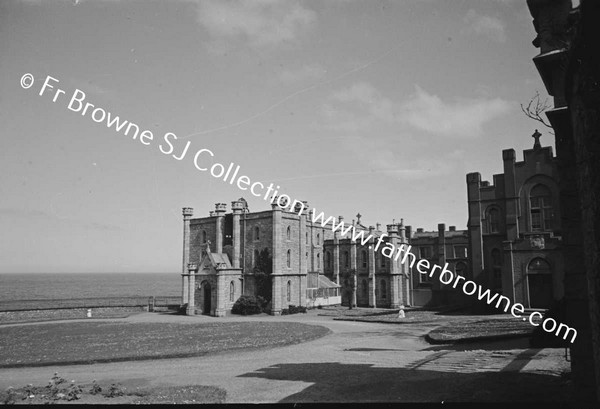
{"x":539,"y":280}
{"x":540,"y":290}
{"x":207,"y":296}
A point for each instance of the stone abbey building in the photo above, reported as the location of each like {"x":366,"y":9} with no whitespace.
{"x":515,"y":228}
{"x":308,"y":261}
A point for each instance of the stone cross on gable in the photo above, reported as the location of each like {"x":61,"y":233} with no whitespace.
{"x":358,"y":216}
{"x":208,"y":246}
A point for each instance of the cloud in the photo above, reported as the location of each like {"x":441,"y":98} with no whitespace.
{"x":258,"y":22}
{"x":463,"y":118}
{"x":362,"y":108}
{"x":306,"y":72}
{"x":491,"y":27}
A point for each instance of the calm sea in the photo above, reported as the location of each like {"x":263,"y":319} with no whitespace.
{"x":44,"y":286}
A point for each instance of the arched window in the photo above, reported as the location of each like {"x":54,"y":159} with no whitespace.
{"x":256,"y":257}
{"x":363,"y":256}
{"x":383,"y":287}
{"x":256,"y":233}
{"x":540,"y":208}
{"x":318,"y":239}
{"x":493,"y":221}
{"x":231,"y":291}
{"x":289,"y":232}
{"x":318,"y":261}
{"x":364,"y":287}
{"x":289,"y":291}
{"x":203,"y":236}
{"x":289,"y":258}
{"x":306,"y":237}
{"x":346,"y":259}
{"x":328,"y":259}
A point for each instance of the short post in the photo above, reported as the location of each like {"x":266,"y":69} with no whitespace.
{"x":401,"y":312}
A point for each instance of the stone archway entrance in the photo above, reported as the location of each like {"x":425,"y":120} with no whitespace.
{"x":206,"y":292}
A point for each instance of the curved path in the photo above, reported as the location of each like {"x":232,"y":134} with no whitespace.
{"x":357,"y":361}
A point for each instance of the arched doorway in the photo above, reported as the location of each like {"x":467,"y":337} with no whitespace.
{"x":539,"y":281}
{"x":206,"y":292}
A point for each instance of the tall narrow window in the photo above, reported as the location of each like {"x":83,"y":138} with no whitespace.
{"x":289,"y":258}
{"x":382,"y":257}
{"x":425,"y":252}
{"x":256,"y":233}
{"x":231,"y":291}
{"x":540,"y":207}
{"x":256,"y":257}
{"x":494,"y":221}
{"x":328,"y":260}
{"x":318,"y":239}
{"x":364,"y":258}
{"x":306,"y":237}
{"x":289,"y":291}
{"x":383,"y":287}
{"x":346,"y":259}
{"x":289,"y":233}
{"x":318,"y":261}
{"x":460,"y":251}
{"x":497,"y":268}
{"x":203,"y":236}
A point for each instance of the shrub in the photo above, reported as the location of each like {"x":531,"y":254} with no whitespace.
{"x":115,"y":390}
{"x":292,"y":309}
{"x":182,"y":310}
{"x":246,"y":305}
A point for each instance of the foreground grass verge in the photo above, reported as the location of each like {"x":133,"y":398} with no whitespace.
{"x":94,"y":342}
{"x":59,"y":390}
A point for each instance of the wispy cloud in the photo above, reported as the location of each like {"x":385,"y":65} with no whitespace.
{"x":492,"y":27}
{"x":463,"y":118}
{"x":361,"y":107}
{"x":256,"y":22}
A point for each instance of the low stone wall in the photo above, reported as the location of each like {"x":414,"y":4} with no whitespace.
{"x":10,"y":317}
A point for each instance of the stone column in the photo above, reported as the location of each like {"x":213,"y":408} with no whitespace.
{"x":395,"y":292}
{"x":237,"y":208}
{"x":220,"y":209}
{"x":406,"y":276}
{"x":191,"y":307}
{"x":336,"y":253}
{"x":278,"y":264}
{"x":187,"y":215}
{"x":372,"y":267}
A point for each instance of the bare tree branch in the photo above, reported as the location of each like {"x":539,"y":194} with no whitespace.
{"x":536,"y":108}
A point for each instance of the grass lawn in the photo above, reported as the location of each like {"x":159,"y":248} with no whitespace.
{"x":89,"y":342}
{"x":471,"y":331}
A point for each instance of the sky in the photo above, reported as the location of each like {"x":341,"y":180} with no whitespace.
{"x":378,"y":107}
